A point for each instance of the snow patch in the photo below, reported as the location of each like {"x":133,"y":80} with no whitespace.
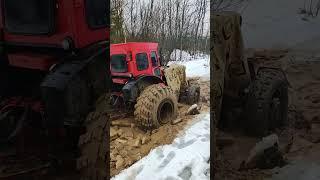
{"x":276,"y":24}
{"x":197,"y":66}
{"x":179,"y":55}
{"x":183,"y":159}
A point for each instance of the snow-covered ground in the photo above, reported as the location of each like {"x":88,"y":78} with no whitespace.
{"x":178,"y":55}
{"x":277,"y":24}
{"x":197,"y":66}
{"x":186,"y":158}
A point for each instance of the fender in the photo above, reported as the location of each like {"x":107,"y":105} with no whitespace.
{"x":60,"y":75}
{"x":131,"y":89}
{"x":52,"y":91}
{"x":71,"y":87}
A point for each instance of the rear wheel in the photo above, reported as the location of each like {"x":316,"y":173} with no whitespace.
{"x":190,"y":94}
{"x":156,"y":105}
{"x":193,"y":94}
{"x":267,"y":104}
{"x":93,"y":162}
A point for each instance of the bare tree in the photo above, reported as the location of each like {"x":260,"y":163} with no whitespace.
{"x":117,"y":31}
{"x":313,"y":9}
{"x":174,"y":24}
{"x":221,"y":5}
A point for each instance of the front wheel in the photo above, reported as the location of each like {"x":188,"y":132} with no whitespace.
{"x":267,"y":103}
{"x":156,"y":105}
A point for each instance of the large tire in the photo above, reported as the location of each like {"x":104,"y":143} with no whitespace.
{"x":267,"y":103}
{"x":193,"y":94}
{"x":190,"y":94}
{"x":156,"y":105}
{"x":93,"y":163}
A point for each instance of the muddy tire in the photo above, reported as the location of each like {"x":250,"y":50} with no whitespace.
{"x":93,"y":145}
{"x":267,"y":103}
{"x":156,"y":105}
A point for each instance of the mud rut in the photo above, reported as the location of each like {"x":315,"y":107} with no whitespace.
{"x":303,"y":130}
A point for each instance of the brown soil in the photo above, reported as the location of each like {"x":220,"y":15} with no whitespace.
{"x":129,"y":143}
{"x":302,"y":71}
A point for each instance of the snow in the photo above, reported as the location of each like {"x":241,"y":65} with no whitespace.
{"x":176,"y":56}
{"x":186,"y":158}
{"x":277,"y":24}
{"x":196,"y":66}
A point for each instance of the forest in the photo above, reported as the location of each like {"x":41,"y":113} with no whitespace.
{"x":174,"y":24}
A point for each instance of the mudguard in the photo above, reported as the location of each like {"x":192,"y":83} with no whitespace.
{"x":133,"y":88}
{"x":71,"y":88}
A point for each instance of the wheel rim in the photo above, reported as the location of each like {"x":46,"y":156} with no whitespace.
{"x":165,"y":111}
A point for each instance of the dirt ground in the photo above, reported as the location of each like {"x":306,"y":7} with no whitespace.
{"x":303,"y":131}
{"x":129,"y":143}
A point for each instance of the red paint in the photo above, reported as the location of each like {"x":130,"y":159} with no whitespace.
{"x":119,"y":80}
{"x":31,"y":61}
{"x":70,"y":22}
{"x":133,"y":48}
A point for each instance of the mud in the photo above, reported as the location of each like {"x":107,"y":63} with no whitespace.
{"x":129,"y":143}
{"x":303,"y":131}
{"x":176,"y":77}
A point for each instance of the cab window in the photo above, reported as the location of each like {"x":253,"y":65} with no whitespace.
{"x":154,"y":59}
{"x":119,"y":63}
{"x":142,"y":61}
{"x":97,"y":12}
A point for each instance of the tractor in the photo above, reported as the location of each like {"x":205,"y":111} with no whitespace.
{"x":142,"y":83}
{"x":54,"y":71}
{"x":244,"y":92}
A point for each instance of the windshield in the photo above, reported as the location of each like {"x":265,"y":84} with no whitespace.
{"x":97,"y":13}
{"x":119,"y":63}
{"x":29,"y":17}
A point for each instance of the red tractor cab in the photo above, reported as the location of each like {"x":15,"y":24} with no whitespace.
{"x":132,"y":63}
{"x":133,"y":60}
{"x":55,"y":25}
{"x":53,"y":67}
{"x":141,"y":84}
{"x":44,"y":46}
